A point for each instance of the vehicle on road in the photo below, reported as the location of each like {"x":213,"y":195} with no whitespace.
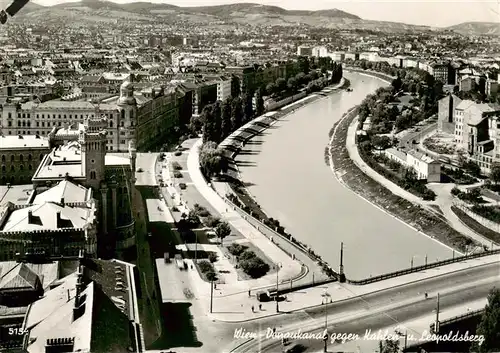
{"x":296,"y":348}
{"x":140,"y":170}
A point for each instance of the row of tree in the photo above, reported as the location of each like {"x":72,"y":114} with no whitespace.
{"x":218,"y":120}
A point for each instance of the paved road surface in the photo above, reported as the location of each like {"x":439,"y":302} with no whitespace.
{"x":395,"y":304}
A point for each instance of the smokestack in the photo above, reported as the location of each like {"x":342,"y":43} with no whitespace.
{"x":30,"y":217}
{"x":62,"y":201}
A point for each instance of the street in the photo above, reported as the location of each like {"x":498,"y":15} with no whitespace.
{"x":398,"y":304}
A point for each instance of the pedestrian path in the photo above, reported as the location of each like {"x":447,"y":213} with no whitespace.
{"x":236,"y":307}
{"x":289,"y":268}
{"x":442,"y":193}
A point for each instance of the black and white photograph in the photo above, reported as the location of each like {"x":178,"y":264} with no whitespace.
{"x":275,"y":176}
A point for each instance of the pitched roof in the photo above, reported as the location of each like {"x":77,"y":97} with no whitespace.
{"x":44,"y":217}
{"x":20,"y":276}
{"x":52,"y":317}
{"x":65,"y":189}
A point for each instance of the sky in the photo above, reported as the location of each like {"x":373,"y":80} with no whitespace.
{"x":440,"y":13}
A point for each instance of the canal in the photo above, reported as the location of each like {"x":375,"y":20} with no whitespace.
{"x":286,"y":172}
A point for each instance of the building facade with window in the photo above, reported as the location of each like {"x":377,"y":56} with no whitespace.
{"x":20,"y":157}
{"x":150,"y":114}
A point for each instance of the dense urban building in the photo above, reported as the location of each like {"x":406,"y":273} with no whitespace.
{"x":20,"y":156}
{"x":151,"y":114}
{"x":83,"y":159}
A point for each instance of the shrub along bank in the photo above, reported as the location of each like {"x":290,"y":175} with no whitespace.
{"x":365,"y":186}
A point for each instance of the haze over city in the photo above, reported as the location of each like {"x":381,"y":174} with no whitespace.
{"x":430,"y":13}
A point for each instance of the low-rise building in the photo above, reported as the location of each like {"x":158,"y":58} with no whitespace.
{"x":424,"y":166}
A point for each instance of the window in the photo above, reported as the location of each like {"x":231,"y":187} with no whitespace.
{"x":12,"y":168}
{"x":30,"y":167}
{"x":3,"y":158}
{"x":12,"y":158}
{"x":3,"y":168}
{"x":21,"y":167}
{"x":92,"y":174}
{"x":30,"y":157}
{"x":21,"y":157}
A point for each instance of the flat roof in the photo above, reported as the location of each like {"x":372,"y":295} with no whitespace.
{"x":158,"y":211}
{"x":174,"y":283}
{"x":23,"y":142}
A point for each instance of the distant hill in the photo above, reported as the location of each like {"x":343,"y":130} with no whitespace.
{"x":244,"y":13}
{"x":477,"y":28}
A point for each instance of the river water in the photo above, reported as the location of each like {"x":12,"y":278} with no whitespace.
{"x":288,"y":176}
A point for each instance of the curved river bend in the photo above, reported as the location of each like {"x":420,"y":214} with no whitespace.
{"x":289,"y":178}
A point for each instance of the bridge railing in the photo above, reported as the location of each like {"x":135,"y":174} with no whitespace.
{"x":423,"y":267}
{"x":456,"y":319}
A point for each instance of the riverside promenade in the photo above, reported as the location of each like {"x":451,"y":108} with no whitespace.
{"x":443,"y":199}
{"x":236,"y":308}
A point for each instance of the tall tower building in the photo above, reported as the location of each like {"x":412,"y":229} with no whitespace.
{"x":127,"y":103}
{"x":93,"y":148}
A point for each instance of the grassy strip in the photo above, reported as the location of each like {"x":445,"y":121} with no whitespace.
{"x":475,"y":225}
{"x":368,"y":188}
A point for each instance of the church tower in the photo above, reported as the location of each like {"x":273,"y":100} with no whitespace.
{"x":93,"y":143}
{"x":127,"y":106}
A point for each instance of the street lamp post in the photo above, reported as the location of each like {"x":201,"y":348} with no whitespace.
{"x":325,"y":295}
{"x":211,"y":295}
{"x":278,"y":265}
{"x":196,"y":247}
{"x":411,"y":264}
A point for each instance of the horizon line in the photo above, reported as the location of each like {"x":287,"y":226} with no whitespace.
{"x":37,"y":2}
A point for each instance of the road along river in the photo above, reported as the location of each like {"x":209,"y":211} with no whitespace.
{"x":287,"y":174}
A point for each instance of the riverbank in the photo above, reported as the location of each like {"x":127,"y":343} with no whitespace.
{"x":240,"y":195}
{"x":414,"y":215}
